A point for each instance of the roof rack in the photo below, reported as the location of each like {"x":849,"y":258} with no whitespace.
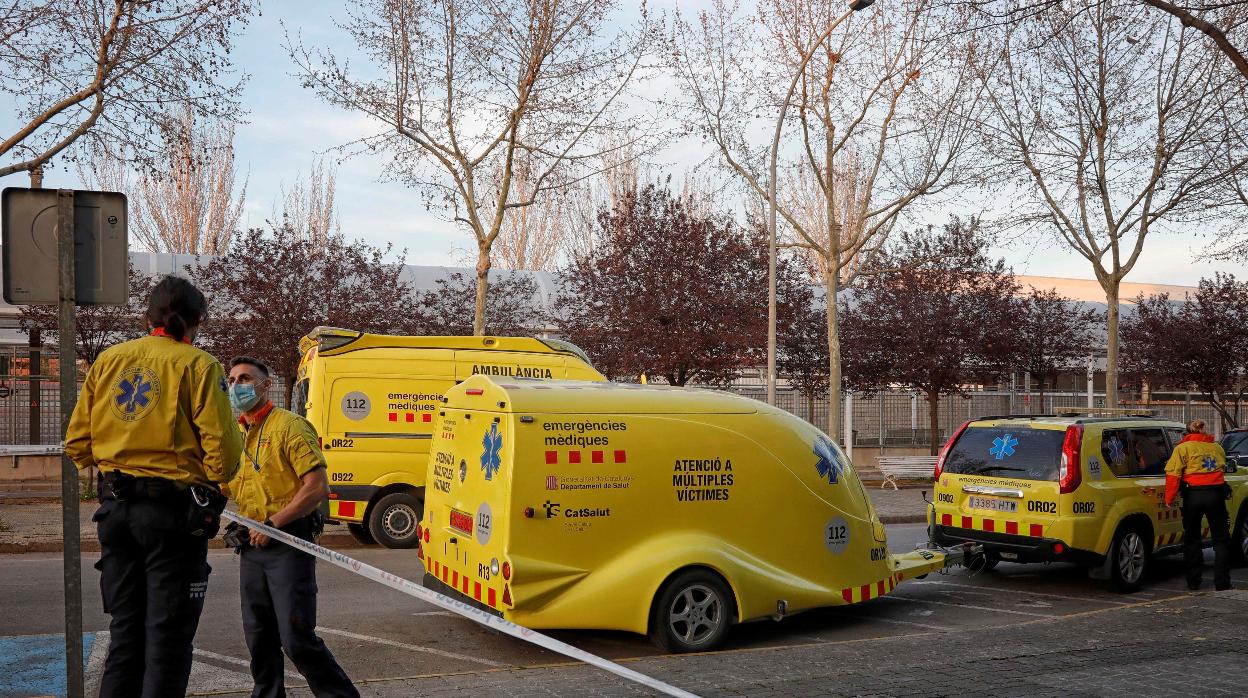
{"x":1013,"y":416}
{"x":1105,"y":412}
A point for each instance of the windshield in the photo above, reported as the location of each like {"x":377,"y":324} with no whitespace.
{"x":1013,"y":452}
{"x":1236,"y":442}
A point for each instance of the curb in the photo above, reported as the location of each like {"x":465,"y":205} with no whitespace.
{"x":337,"y":541}
{"x":904,"y":519}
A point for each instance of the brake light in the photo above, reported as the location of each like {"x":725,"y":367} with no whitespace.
{"x":426,"y":534}
{"x":474,"y":391}
{"x":506,"y":571}
{"x":944,"y":451}
{"x":1070,"y":473}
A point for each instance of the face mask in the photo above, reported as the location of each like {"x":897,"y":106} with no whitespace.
{"x":243,"y":396}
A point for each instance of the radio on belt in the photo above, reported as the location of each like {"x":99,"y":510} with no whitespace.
{"x":673,"y":512}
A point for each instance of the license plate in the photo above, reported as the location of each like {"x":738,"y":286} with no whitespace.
{"x":987,"y":503}
{"x":461,"y":521}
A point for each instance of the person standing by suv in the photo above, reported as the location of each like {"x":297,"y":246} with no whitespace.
{"x":1196,"y":467}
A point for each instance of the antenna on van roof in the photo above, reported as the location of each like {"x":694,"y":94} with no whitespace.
{"x":1105,"y":412}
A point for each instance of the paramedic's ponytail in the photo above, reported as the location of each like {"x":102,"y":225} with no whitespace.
{"x":177,"y":306}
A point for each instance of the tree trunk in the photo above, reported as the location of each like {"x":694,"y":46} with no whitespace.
{"x":831,"y":284}
{"x":1041,"y":393}
{"x":933,"y":417}
{"x":483,"y":287}
{"x":1112,"y":287}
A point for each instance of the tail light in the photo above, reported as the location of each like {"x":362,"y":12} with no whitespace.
{"x":1070,"y":473}
{"x":426,"y":534}
{"x":506,"y":571}
{"x":944,"y":451}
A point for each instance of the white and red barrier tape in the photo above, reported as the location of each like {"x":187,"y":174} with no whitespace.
{"x":472,"y":613}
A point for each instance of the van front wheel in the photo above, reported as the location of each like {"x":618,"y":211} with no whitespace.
{"x":392,"y":520}
{"x":691,"y":613}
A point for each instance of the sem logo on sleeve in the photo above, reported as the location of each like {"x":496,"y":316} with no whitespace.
{"x":135,"y":391}
{"x":829,"y":464}
{"x":491,"y":454}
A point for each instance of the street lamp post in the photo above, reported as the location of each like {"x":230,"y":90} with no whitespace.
{"x":854,"y":6}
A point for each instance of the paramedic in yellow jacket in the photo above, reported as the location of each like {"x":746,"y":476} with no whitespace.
{"x":1196,"y":466}
{"x":281,"y":482}
{"x":153,"y":416}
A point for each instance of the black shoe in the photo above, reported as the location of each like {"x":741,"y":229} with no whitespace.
{"x":1194,"y":586}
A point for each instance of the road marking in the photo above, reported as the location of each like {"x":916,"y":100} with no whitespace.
{"x":412,"y":648}
{"x":1020,"y":591}
{"x":967,"y":605}
{"x":448,"y":614}
{"x":95,"y":663}
{"x":290,"y":675}
{"x":894,"y":621}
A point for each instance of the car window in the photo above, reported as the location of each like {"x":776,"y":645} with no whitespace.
{"x":1117,"y":452}
{"x":1236,"y":442}
{"x":1151,"y":451}
{"x":1176,"y":435}
{"x":1010,"y":452}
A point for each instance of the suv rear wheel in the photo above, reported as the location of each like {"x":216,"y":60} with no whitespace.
{"x":392,"y":520}
{"x":691,"y":612}
{"x":1129,"y":555}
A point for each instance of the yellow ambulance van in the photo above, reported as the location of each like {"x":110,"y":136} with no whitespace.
{"x":372,"y":398}
{"x":672,"y":512}
{"x":1086,"y":487}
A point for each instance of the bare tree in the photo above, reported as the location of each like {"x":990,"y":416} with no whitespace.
{"x":533,"y":236}
{"x":108,"y":69}
{"x":186,"y":202}
{"x":880,"y":116}
{"x":1111,"y":119}
{"x":307,"y":208}
{"x":472,"y":89}
{"x":1223,"y":22}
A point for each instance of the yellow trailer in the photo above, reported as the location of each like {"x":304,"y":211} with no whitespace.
{"x":669,"y":511}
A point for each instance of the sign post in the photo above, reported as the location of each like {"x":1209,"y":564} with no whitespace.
{"x":67,"y":248}
{"x":71,"y":524}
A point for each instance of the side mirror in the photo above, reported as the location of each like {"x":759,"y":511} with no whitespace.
{"x":1232,"y":465}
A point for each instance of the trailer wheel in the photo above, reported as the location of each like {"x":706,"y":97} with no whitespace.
{"x":691,"y":612}
{"x":392,"y":520}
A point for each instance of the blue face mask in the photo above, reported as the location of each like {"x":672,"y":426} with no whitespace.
{"x":243,"y":396}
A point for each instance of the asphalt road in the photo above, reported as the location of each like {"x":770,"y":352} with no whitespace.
{"x":380,"y":635}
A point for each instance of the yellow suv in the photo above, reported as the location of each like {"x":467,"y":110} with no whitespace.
{"x":1071,"y":488}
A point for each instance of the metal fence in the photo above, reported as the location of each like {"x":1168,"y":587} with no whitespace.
{"x":897,"y":419}
{"x":30,"y":406}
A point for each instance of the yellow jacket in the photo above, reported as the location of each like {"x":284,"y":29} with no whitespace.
{"x":278,"y":450}
{"x":155,"y":407}
{"x":1197,"y":460}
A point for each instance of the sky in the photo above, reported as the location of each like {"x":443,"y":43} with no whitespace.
{"x":287,"y":126}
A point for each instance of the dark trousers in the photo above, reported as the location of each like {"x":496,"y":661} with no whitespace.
{"x":1206,"y":503}
{"x":278,"y":585}
{"x":153,"y":577}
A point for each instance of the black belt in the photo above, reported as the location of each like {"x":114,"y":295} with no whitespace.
{"x":121,"y":487}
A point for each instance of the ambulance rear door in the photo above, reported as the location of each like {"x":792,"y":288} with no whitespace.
{"x":467,"y":505}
